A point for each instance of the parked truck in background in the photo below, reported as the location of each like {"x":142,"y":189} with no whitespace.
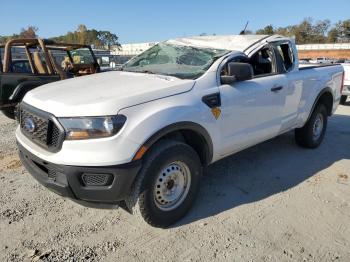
{"x":322,"y":60}
{"x":140,"y":137}
{"x":18,"y":76}
{"x":346,"y":89}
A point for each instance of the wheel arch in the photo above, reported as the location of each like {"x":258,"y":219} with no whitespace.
{"x":22,"y":88}
{"x":191,"y":133}
{"x":325,"y":97}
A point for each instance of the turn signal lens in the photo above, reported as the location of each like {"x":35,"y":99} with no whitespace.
{"x":140,"y":153}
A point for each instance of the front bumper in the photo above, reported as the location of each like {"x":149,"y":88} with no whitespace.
{"x":69,"y":181}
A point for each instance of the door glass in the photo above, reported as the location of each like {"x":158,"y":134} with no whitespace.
{"x":263,"y":62}
{"x":287,"y":56}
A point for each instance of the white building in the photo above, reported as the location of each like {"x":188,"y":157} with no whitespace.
{"x":132,"y":49}
{"x":339,"y":46}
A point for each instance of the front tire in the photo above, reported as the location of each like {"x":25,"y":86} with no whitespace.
{"x":311,"y":135}
{"x":167,"y":184}
{"x":343,"y":100}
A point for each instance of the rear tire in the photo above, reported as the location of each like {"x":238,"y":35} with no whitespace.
{"x":343,"y":100}
{"x":312,"y":133}
{"x":167,"y":184}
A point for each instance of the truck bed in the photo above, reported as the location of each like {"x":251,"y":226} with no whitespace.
{"x":311,"y":66}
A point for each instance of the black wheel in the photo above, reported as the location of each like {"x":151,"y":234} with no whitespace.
{"x":312,"y":134}
{"x":343,"y":100}
{"x":167,"y":184}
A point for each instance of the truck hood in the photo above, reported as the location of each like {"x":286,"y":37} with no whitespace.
{"x":104,"y":93}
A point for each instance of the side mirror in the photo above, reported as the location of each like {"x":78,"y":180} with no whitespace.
{"x":237,"y":72}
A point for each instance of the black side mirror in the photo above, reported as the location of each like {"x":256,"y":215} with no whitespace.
{"x":237,"y":72}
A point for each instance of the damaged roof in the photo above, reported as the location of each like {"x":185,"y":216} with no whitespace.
{"x":226,"y":42}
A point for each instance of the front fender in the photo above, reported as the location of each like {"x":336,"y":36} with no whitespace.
{"x":148,"y":122}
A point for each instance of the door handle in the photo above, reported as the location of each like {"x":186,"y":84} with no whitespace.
{"x":276,"y":88}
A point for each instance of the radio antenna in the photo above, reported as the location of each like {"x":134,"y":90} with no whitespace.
{"x":245,"y":28}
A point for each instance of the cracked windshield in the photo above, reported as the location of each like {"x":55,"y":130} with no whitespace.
{"x":184,"y":62}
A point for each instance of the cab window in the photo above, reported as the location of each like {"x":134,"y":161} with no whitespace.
{"x":264,"y":62}
{"x":285,"y":52}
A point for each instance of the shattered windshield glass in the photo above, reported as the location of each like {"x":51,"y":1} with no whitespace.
{"x":184,"y":62}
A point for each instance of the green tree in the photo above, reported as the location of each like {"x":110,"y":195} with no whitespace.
{"x":308,"y":31}
{"x":108,"y":39}
{"x":83,"y":35}
{"x":285,"y":31}
{"x":320,"y":29}
{"x":333,"y":35}
{"x":29,"y":32}
{"x":267,"y":30}
{"x":343,"y":28}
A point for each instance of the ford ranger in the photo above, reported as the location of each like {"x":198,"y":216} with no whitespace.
{"x":140,"y":137}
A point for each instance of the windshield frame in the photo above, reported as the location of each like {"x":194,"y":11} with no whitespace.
{"x":214,"y":55}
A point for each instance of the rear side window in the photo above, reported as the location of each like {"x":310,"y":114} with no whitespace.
{"x":21,"y":66}
{"x":287,"y":56}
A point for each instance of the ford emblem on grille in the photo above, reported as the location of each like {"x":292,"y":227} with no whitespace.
{"x":29,"y":124}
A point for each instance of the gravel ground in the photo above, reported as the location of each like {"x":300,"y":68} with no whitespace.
{"x":272,"y":202}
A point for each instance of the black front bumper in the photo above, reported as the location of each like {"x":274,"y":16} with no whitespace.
{"x":68,"y":181}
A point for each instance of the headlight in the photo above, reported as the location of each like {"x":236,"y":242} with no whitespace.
{"x":92,"y":127}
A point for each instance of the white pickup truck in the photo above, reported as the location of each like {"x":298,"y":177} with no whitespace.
{"x":346,"y":89}
{"x":139,"y":137}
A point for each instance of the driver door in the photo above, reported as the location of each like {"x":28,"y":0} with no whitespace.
{"x":252,"y":110}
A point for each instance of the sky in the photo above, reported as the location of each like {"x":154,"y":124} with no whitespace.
{"x":155,"y":20}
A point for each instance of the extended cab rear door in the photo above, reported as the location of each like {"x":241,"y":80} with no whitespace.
{"x":252,"y":110}
{"x":287,"y":63}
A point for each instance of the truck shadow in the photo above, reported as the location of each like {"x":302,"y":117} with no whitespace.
{"x":267,"y":169}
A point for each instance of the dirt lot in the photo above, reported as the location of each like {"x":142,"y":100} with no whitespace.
{"x":273,"y":202}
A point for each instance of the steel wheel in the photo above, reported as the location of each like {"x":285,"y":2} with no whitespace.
{"x":171,"y":186}
{"x":318,"y":127}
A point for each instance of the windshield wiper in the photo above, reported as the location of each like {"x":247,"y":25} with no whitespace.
{"x":136,"y":71}
{"x":147,"y":72}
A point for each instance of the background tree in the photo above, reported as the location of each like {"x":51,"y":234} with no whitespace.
{"x":343,"y":28}
{"x":108,"y":39}
{"x":333,"y":35}
{"x":320,"y":29}
{"x":267,"y":30}
{"x":308,"y":31}
{"x":83,"y":35}
{"x":29,"y":32}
